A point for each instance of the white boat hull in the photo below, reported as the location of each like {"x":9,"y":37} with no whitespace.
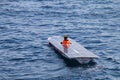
{"x":83,"y":60}
{"x":74,"y":51}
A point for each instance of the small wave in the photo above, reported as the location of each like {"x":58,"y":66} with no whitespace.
{"x":113,"y":59}
{"x":18,"y":59}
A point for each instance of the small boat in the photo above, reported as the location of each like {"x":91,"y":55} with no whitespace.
{"x":73,"y":51}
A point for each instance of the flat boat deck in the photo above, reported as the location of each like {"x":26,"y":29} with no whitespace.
{"x":75,"y":50}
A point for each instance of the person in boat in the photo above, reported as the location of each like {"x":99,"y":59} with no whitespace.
{"x":66,"y":42}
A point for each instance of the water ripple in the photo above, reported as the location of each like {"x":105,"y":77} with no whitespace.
{"x":25,"y":26}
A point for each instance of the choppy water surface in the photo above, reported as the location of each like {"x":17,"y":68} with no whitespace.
{"x":25,"y":26}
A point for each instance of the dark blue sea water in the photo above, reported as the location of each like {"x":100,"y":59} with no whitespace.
{"x":25,"y":26}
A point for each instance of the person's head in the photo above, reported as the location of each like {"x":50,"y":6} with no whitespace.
{"x":65,"y":37}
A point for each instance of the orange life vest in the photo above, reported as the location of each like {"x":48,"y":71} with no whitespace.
{"x":66,"y":42}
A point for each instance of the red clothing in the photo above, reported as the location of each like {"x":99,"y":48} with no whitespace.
{"x":66,"y":42}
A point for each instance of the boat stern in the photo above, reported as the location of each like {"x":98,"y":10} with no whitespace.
{"x":84,"y":60}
